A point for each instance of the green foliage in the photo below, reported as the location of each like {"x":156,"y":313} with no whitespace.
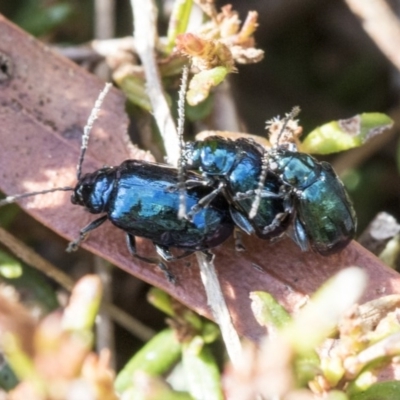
{"x":366,"y":340}
{"x":39,"y":20}
{"x":37,"y":290}
{"x":202,"y":83}
{"x":345,"y":134}
{"x":201,"y":371}
{"x":188,"y":343}
{"x":156,"y":357}
{"x":178,"y":21}
{"x":389,"y":390}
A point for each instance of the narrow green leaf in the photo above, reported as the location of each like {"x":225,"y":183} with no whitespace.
{"x":161,"y":300}
{"x":9,"y":267}
{"x":148,"y":387}
{"x":345,"y":134}
{"x":35,"y":287}
{"x":178,"y":21}
{"x":203,"y":82}
{"x":8,"y":379}
{"x":201,"y":371}
{"x":134,"y":89}
{"x":156,"y":357}
{"x":389,"y":390}
{"x":268,"y":312}
{"x":22,"y":365}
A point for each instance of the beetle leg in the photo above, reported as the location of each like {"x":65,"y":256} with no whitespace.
{"x":298,"y":234}
{"x":190,"y":184}
{"x":165,"y":254}
{"x":84,"y":232}
{"x":209,"y":256}
{"x":131,"y":243}
{"x":280,"y":217}
{"x":237,"y":236}
{"x":252,"y":193}
{"x":241,"y":220}
{"x":206,"y":200}
{"x":276,"y":222}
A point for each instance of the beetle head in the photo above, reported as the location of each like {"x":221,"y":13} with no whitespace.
{"x":93,"y":190}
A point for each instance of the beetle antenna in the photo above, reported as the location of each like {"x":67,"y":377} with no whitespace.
{"x":85,"y":139}
{"x":16,"y":197}
{"x":181,"y":123}
{"x":264,"y":167}
{"x":258,"y":191}
{"x":88,"y":127}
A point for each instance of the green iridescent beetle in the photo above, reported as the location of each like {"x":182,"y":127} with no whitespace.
{"x":322,"y":213}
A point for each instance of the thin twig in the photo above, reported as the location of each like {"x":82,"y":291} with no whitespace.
{"x":219,"y":309}
{"x":28,"y":256}
{"x":104,"y":28}
{"x":104,"y":19}
{"x":381,"y":24}
{"x":145,"y":22}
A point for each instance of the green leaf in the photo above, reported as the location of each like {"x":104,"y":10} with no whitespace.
{"x":134,"y":89}
{"x":345,"y":134}
{"x":34,"y":285}
{"x":199,"y":111}
{"x":10,"y":268}
{"x":40,"y":20}
{"x":8,"y":379}
{"x":203,"y":82}
{"x":389,"y":390}
{"x":267,"y":311}
{"x":201,"y":371}
{"x":161,"y":300}
{"x":178,"y":21}
{"x":156,"y":357}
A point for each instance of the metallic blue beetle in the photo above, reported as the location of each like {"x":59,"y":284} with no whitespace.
{"x":139,"y":198}
{"x":233,"y":167}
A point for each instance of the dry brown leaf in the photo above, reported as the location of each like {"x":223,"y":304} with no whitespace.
{"x":44,"y":106}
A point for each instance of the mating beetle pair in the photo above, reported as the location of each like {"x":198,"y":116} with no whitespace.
{"x":299,"y":196}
